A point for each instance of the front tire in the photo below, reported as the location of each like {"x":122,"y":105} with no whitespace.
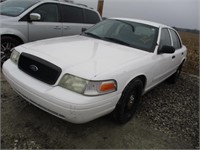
{"x":7,"y":43}
{"x":128,"y":103}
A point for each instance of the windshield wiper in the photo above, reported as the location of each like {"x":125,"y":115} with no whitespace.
{"x":92,"y":35}
{"x":4,"y":14}
{"x":116,"y":41}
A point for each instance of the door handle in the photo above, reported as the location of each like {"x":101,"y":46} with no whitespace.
{"x":173,"y":57}
{"x":57,"y":27}
{"x":67,"y":27}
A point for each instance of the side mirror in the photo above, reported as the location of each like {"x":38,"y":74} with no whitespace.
{"x":35,"y":17}
{"x":84,"y":29}
{"x":166,"y":50}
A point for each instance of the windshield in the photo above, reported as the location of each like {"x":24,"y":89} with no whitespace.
{"x":15,"y":7}
{"x":133,"y":34}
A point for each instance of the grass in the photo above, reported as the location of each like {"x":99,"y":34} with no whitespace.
{"x":191,"y":41}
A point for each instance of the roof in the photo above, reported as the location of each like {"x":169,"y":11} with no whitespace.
{"x":70,"y":2}
{"x":155,"y":24}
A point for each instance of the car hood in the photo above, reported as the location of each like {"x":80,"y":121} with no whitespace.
{"x":6,"y":18}
{"x":84,"y":56}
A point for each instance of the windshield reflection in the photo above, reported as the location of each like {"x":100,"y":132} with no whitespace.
{"x":133,"y":34}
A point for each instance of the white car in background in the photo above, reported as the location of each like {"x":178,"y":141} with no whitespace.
{"x":106,"y":69}
{"x":25,"y":21}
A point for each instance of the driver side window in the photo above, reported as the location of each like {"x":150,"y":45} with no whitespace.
{"x":48,"y":12}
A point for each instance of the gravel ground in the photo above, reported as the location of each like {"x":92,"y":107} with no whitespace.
{"x":168,"y":117}
{"x":174,"y":109}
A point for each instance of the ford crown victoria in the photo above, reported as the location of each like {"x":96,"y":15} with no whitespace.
{"x":105,"y":69}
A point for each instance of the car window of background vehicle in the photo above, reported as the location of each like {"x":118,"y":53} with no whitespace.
{"x":15,"y":8}
{"x":48,"y":12}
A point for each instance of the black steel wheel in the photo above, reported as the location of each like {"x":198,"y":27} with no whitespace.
{"x":129,"y":101}
{"x":7,"y":43}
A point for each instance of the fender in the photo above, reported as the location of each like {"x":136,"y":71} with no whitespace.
{"x":11,"y":31}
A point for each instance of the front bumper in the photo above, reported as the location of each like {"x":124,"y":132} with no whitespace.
{"x":65,"y":104}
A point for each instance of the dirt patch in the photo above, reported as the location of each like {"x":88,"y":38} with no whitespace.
{"x":191,"y":41}
{"x":167,"y":118}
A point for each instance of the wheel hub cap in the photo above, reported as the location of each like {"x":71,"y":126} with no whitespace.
{"x":6,"y":50}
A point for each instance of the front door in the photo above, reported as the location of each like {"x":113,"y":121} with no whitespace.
{"x":48,"y":26}
{"x":164,"y":63}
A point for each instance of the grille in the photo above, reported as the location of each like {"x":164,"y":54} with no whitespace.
{"x":39,"y":68}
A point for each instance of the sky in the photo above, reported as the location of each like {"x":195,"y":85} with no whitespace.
{"x":178,"y":13}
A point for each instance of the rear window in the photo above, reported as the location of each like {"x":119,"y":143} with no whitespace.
{"x":15,"y":7}
{"x":91,"y":17}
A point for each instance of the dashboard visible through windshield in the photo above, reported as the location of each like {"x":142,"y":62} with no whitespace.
{"x":133,"y":34}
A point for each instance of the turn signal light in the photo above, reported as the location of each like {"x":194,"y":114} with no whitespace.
{"x":108,"y":86}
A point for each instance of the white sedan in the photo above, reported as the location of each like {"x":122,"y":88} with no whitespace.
{"x":105,"y":69}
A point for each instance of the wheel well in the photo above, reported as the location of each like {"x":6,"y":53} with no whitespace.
{"x":14,"y":36}
{"x":142,"y":78}
{"x":183,"y":61}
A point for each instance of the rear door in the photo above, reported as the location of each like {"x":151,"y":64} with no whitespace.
{"x":72,"y":19}
{"x":179,"y":53}
{"x":49,"y":26}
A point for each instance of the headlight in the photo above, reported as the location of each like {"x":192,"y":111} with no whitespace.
{"x":87,"y":87}
{"x":73,"y":83}
{"x":15,"y":56}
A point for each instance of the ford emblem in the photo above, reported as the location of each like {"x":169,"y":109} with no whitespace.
{"x":33,"y":68}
